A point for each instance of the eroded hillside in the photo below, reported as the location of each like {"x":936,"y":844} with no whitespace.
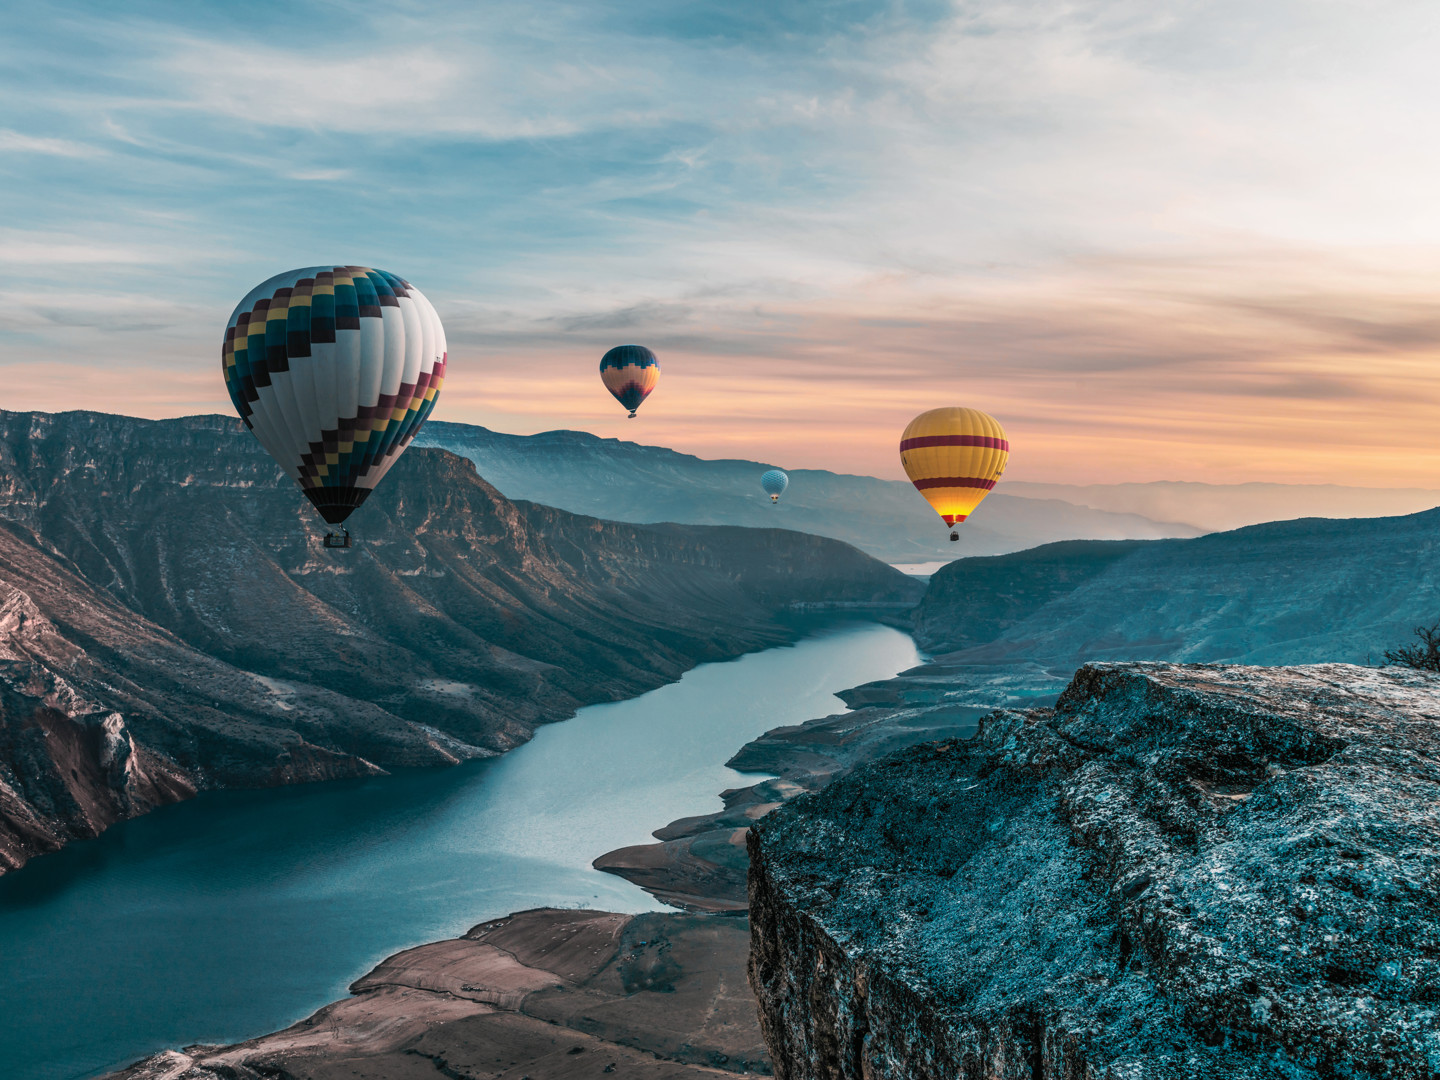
{"x":169,"y":606}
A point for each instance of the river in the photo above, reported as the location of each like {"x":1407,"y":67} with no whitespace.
{"x":241,"y":912}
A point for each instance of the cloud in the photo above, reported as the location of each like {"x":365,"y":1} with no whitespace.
{"x":30,"y":248}
{"x":321,"y":175}
{"x":18,"y":142}
{"x":37,"y":309}
{"x":637,"y":315}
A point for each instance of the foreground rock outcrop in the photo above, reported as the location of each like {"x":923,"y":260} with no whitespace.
{"x":169,"y":622}
{"x":1179,"y":871}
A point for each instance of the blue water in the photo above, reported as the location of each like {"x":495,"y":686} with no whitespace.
{"x":241,"y":912}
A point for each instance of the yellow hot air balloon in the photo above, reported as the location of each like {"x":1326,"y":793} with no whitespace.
{"x":953,"y":457}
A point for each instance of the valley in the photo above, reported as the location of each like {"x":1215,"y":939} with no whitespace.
{"x":243,"y":911}
{"x":456,"y":632}
{"x":175,"y":626}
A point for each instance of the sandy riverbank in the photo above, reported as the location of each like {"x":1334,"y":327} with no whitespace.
{"x":545,"y":994}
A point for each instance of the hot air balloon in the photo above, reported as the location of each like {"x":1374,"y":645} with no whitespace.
{"x":334,"y":368}
{"x":953,"y":457}
{"x":774,"y":482}
{"x":630,"y":372}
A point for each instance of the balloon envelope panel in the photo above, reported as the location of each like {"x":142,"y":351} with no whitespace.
{"x":630,"y":372}
{"x":954,"y":457}
{"x":334,"y":368}
{"x":774,"y":482}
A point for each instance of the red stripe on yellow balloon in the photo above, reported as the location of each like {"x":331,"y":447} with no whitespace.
{"x":954,"y":456}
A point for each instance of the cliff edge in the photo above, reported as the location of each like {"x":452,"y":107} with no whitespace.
{"x":1180,"y":871}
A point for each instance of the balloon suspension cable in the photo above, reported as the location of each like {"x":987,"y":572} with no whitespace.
{"x":338,"y":540}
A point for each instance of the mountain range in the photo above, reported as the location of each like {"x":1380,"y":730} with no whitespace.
{"x":169,"y":621}
{"x":1287,"y":592}
{"x":1218,"y":507}
{"x":626,"y":481}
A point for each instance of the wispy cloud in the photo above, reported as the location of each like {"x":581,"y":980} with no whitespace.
{"x":18,"y":142}
{"x":25,"y":248}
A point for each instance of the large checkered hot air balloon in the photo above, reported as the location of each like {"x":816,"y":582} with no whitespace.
{"x":334,"y":368}
{"x":630,"y":372}
{"x":953,"y":457}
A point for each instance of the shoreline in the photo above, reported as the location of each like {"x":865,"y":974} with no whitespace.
{"x":501,"y":989}
{"x":437,"y":1003}
{"x":701,"y":863}
{"x":498,"y":990}
{"x":641,"y":815}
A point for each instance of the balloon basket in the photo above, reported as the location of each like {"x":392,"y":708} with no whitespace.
{"x":338,"y":540}
{"x":631,"y":416}
{"x":954,"y":536}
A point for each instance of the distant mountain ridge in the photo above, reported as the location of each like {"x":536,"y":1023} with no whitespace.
{"x":1220,"y":507}
{"x":627,"y":481}
{"x":1287,"y":592}
{"x":169,"y":622}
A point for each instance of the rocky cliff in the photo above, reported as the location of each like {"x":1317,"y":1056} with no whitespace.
{"x":169,"y":621}
{"x":1179,"y":871}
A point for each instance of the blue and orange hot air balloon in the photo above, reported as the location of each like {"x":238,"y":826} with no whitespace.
{"x":954,"y":457}
{"x":630,"y":372}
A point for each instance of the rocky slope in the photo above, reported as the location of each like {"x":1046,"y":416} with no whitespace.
{"x":171,"y":623}
{"x":626,"y":481}
{"x":1287,"y":592}
{"x":1180,"y":871}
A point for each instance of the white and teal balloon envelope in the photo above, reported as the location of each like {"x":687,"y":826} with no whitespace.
{"x":774,"y":482}
{"x":334,"y":369}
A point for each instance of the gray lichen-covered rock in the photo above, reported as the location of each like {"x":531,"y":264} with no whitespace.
{"x":1180,"y":871}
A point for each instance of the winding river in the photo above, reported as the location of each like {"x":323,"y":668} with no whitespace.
{"x":241,"y":912}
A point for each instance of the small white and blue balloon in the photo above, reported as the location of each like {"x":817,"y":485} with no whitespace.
{"x":774,"y":482}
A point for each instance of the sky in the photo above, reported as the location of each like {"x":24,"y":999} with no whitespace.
{"x":1157,"y":240}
